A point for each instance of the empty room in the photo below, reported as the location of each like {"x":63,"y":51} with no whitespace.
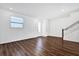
{"x":39,"y":29}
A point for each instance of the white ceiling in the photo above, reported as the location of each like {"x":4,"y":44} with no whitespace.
{"x":41,"y":10}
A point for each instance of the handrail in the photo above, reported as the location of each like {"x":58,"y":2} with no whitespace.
{"x":71,"y":25}
{"x":67,"y":29}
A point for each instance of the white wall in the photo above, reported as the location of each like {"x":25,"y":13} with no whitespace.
{"x":30,"y":29}
{"x":56,"y":25}
{"x":52,"y":27}
{"x":72,"y":34}
{"x":44,"y":27}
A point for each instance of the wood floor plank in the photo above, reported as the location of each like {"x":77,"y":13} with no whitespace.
{"x":40,"y":46}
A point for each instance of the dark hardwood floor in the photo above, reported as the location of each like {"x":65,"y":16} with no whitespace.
{"x":40,"y":46}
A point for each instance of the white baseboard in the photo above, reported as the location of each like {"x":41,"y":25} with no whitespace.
{"x":8,"y":41}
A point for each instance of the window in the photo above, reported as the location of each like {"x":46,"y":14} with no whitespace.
{"x":16,"y":22}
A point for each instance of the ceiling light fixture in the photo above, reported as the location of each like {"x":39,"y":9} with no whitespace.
{"x":11,"y":8}
{"x":62,"y":10}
